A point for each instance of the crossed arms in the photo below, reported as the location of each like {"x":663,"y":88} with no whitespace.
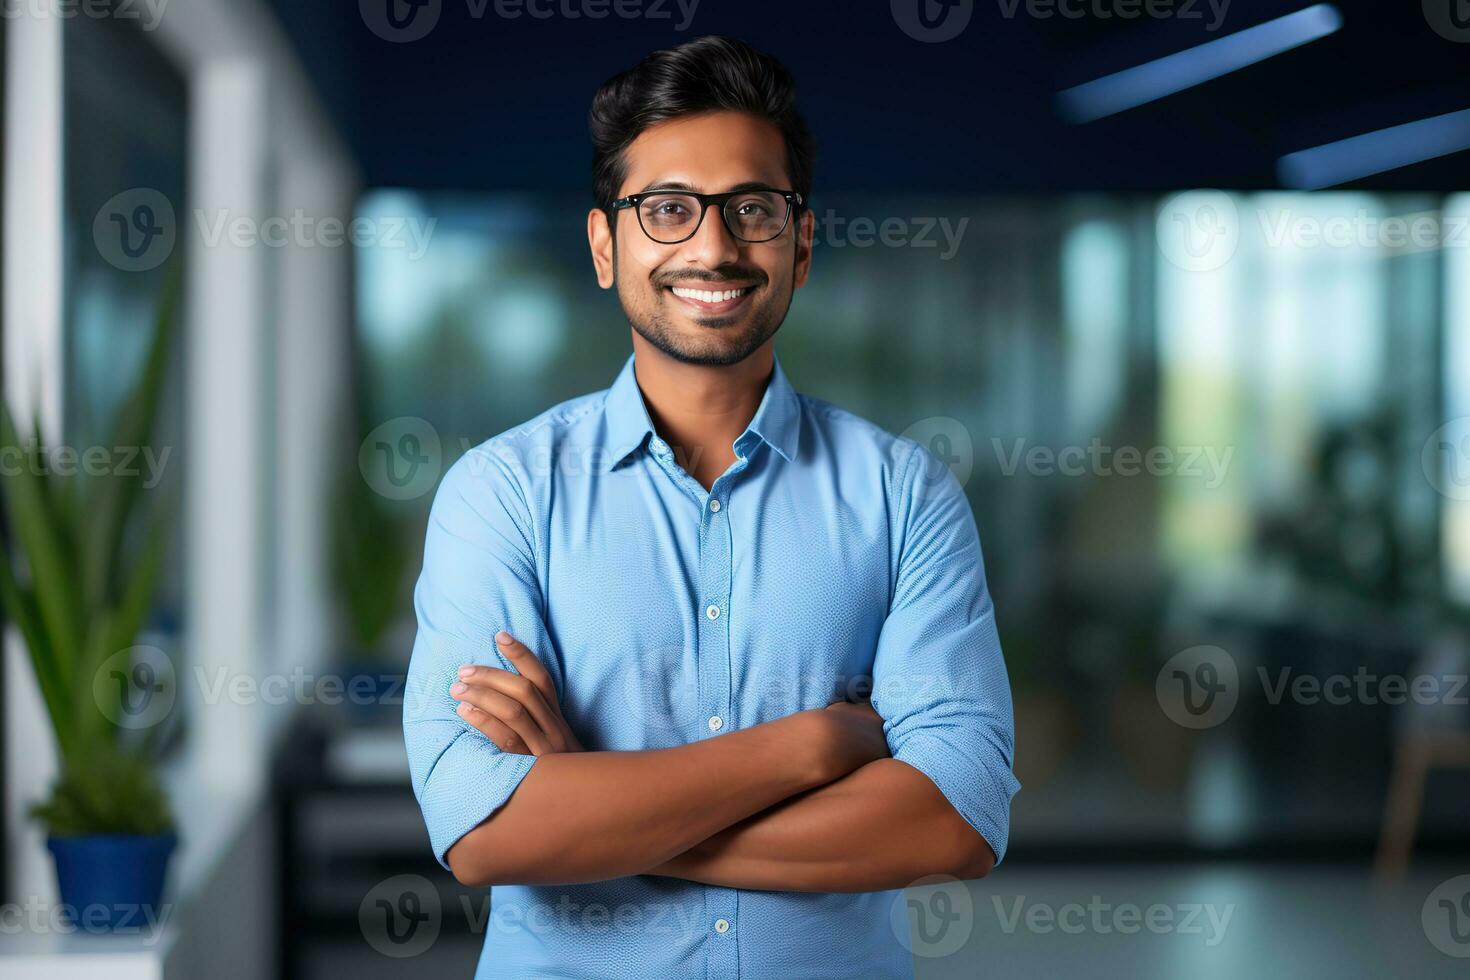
{"x":809,"y":802}
{"x":844,"y":798}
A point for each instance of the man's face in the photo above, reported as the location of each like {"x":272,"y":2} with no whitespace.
{"x":708,"y":153}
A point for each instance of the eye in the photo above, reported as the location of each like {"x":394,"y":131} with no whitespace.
{"x":755,"y":208}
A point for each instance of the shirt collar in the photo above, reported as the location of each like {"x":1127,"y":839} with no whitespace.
{"x":777,"y":421}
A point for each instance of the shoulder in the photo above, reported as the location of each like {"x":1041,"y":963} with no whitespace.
{"x":855,"y":439}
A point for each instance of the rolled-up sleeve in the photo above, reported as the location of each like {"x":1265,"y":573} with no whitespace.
{"x":939,"y":680}
{"x":478,"y":577}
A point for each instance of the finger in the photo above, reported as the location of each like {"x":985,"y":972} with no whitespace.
{"x":521,"y":689}
{"x":508,"y":710}
{"x":525,"y":662}
{"x":493,"y":728}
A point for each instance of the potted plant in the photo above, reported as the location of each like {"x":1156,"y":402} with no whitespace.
{"x":77,"y":578}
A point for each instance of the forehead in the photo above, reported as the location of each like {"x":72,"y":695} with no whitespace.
{"x":709,"y":151}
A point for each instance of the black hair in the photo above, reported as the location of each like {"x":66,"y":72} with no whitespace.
{"x":707,"y":74}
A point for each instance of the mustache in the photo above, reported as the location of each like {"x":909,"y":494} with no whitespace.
{"x":751,"y":276}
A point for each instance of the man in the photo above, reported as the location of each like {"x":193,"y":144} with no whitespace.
{"x":650,"y":619}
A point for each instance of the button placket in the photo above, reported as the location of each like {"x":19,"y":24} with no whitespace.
{"x":716,"y":563}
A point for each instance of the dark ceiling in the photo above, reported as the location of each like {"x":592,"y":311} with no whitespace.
{"x":491,"y":103}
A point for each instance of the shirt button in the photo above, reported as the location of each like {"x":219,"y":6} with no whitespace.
{"x":712,"y":611}
{"x":714,"y":506}
{"x":722,"y":926}
{"x":658,"y":445}
{"x":715,"y":722}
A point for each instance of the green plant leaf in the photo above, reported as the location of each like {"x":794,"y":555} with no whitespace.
{"x":112,"y":496}
{"x":34,"y":524}
{"x":21,"y":607}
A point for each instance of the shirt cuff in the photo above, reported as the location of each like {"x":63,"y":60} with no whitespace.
{"x":471,"y":780}
{"x":979,"y":791}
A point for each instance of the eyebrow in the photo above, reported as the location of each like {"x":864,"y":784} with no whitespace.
{"x":677,"y":185}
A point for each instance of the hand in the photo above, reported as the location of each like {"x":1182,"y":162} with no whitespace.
{"x":854,"y":737}
{"x":519,"y":712}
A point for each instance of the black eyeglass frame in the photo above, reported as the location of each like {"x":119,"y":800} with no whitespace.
{"x":794,"y":203}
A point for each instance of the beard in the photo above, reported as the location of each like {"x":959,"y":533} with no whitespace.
{"x":714,"y":341}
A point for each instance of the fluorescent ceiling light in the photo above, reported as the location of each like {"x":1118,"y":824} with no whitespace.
{"x":1155,"y":79}
{"x":1375,"y":152}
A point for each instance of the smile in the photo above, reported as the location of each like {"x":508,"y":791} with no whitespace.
{"x":712,"y":301}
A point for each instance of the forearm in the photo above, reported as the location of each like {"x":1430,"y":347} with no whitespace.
{"x":880,"y":827}
{"x":588,"y":816}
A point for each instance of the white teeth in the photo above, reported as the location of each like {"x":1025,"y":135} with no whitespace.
{"x":708,"y":297}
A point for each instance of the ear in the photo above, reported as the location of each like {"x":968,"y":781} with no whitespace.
{"x":600,"y":241}
{"x":805,"y":230}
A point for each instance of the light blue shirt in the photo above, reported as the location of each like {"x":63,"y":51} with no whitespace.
{"x":830,"y":560}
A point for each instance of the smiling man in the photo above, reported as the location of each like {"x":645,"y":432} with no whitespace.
{"x":706,"y":669}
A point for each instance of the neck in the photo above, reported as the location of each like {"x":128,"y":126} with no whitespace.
{"x":700,"y":409}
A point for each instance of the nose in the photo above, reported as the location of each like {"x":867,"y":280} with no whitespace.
{"x":712,"y":245}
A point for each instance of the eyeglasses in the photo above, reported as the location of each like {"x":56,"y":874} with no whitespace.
{"x":671,"y":217}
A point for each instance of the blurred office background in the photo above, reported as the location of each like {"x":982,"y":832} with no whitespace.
{"x":1208,"y":396}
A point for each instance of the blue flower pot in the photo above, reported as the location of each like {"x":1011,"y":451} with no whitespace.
{"x":111,"y":881}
